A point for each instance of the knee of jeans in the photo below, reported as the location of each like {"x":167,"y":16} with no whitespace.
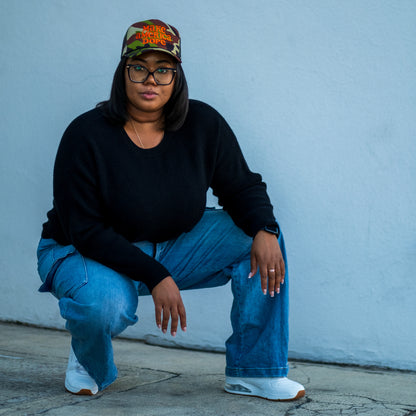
{"x":119,"y":316}
{"x":108,"y":315}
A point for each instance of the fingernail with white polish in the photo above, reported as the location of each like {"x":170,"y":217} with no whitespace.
{"x":173,"y":334}
{"x":264,"y":292}
{"x":272,"y":294}
{"x":250,"y":275}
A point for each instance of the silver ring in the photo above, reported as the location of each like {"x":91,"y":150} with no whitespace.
{"x":272,"y":270}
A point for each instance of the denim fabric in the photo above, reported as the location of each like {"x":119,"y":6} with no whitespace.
{"x":99,"y":303}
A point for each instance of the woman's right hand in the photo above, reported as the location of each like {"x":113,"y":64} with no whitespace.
{"x":168,"y":300}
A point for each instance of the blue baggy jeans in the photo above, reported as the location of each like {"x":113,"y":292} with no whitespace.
{"x":99,"y":303}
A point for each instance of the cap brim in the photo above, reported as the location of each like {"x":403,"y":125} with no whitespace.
{"x":138,"y":52}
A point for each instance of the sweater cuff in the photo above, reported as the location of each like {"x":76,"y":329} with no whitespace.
{"x":274,"y":225}
{"x":153,"y":274}
{"x":256,"y":226}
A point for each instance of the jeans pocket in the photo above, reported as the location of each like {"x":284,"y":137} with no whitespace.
{"x":50,"y":254}
{"x":61,"y":268}
{"x":68,"y":275}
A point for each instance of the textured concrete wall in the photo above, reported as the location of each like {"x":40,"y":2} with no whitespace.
{"x":321,"y":95}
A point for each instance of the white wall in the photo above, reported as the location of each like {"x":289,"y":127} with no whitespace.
{"x":322,"y":95}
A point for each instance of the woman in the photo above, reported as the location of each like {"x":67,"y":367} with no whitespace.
{"x":129,"y":218}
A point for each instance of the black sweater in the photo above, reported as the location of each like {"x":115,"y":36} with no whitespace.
{"x":109,"y":193}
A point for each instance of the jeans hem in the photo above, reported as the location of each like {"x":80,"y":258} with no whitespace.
{"x":257,"y":372}
{"x":104,"y":385}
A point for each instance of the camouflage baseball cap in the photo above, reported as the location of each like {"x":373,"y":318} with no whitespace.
{"x":151,"y":35}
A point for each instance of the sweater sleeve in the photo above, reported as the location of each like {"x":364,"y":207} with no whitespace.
{"x":241,"y":192}
{"x":81,"y":213}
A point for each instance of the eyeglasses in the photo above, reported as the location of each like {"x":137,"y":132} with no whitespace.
{"x":140,"y":74}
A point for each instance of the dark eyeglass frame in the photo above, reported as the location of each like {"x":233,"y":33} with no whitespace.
{"x":172,"y":70}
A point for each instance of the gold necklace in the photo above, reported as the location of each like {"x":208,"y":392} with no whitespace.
{"x":137,"y":134}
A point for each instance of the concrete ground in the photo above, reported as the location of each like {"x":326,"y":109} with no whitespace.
{"x":156,"y":381}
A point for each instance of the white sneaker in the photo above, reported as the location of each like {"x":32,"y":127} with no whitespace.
{"x":271,"y":388}
{"x":77,"y":380}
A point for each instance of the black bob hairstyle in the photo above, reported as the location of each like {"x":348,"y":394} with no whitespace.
{"x":176,"y":109}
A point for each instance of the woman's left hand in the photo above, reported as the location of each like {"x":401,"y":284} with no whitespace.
{"x":267,"y":257}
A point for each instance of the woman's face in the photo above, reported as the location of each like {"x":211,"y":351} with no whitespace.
{"x":148,"y":97}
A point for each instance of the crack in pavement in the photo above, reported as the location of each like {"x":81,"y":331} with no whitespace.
{"x":332,"y":404}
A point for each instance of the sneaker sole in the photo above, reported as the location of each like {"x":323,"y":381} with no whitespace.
{"x":82,"y":392}
{"x":301,"y":393}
